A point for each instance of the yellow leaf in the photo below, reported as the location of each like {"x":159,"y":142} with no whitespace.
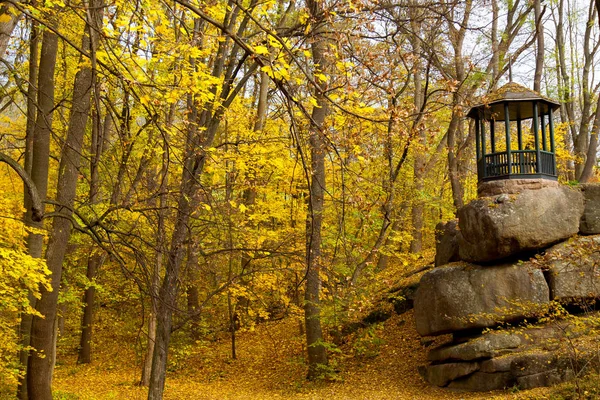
{"x":5,"y":18}
{"x":321,"y":77}
{"x":261,"y":50}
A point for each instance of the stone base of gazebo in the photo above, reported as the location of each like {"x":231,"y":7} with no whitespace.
{"x":513,"y":186}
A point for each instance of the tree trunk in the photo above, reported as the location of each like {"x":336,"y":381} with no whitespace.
{"x":97,"y":259}
{"x":418,"y":207}
{"x":317,"y":356}
{"x":85,"y":343}
{"x":34,"y":244}
{"x":40,"y":364}
{"x":158,"y":264}
{"x":539,"y":58}
{"x":8,"y":26}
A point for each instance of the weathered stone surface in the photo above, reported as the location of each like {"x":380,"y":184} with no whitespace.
{"x":497,"y":364}
{"x":485,"y":346}
{"x":483,"y":382}
{"x":519,"y":356}
{"x":575,"y":269}
{"x":546,"y":378}
{"x":462,"y":296}
{"x":512,"y":186}
{"x":590,"y":221}
{"x":521,"y":363}
{"x":442,"y":374}
{"x":530,"y":220}
{"x":446,"y":242}
{"x":531,"y":363}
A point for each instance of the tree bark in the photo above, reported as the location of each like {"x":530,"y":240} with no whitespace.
{"x":539,"y":58}
{"x":85,"y":343}
{"x":40,"y":364}
{"x":7,"y":27}
{"x":39,"y":125}
{"x":317,"y":355}
{"x":419,"y":164}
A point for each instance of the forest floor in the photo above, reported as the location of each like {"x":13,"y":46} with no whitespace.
{"x":270,"y":365}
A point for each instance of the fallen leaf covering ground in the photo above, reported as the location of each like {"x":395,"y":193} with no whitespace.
{"x":269,"y":366}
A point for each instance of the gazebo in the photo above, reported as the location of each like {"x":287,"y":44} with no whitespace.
{"x":511,"y":105}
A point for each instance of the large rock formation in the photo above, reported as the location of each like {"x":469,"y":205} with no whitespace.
{"x":493,"y":228}
{"x":528,"y":357}
{"x":463,"y":296}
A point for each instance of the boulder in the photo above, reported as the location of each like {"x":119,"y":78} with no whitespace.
{"x":488,"y":345}
{"x":493,"y":228}
{"x":462,"y":296}
{"x":574,"y":268}
{"x":590,"y":221}
{"x":484,"y":382}
{"x":518,"y":356}
{"x":546,"y":378}
{"x":446,"y":242}
{"x":533,"y":362}
{"x":442,"y":374}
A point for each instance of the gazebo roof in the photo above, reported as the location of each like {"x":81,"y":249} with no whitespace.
{"x":520,"y":101}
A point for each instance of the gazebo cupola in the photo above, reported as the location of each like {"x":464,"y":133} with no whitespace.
{"x":524,"y":114}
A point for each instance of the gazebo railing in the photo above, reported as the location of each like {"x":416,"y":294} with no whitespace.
{"x":523,"y":162}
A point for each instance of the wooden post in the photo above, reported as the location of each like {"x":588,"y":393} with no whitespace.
{"x":477,"y":140}
{"x":519,"y":133}
{"x":483,"y":160}
{"x":492,"y":135}
{"x":538,"y":160}
{"x":507,"y":129}
{"x":552,"y":148}
{"x":543,"y":131}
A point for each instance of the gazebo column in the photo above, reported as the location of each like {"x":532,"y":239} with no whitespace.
{"x":519,"y":133}
{"x":493,"y":135}
{"x":483,"y":160}
{"x":551,"y":129}
{"x":543,"y":131}
{"x":507,"y":129}
{"x":538,"y":164}
{"x":477,"y":140}
{"x":521,"y":167}
{"x":477,"y":148}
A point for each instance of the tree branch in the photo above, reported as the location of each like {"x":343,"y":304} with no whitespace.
{"x":37,"y":210}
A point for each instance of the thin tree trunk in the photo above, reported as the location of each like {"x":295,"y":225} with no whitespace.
{"x":495,"y":45}
{"x":539,"y":58}
{"x":317,"y":356}
{"x":418,"y":207}
{"x":96,"y":260}
{"x":158,"y":264}
{"x":85,"y":343}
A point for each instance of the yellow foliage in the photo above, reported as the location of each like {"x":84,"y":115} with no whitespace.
{"x":20,"y":274}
